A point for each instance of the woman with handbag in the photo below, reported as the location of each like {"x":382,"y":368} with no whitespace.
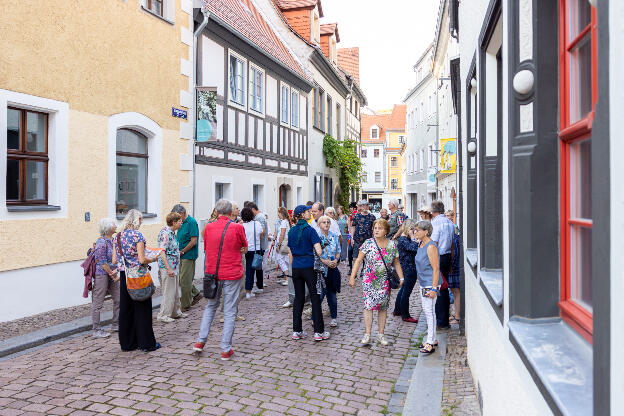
{"x":135,"y":316}
{"x":428,"y":268}
{"x":408,"y":248}
{"x":253,"y":258}
{"x":330,"y":243}
{"x":280,"y":249}
{"x":378,"y":254}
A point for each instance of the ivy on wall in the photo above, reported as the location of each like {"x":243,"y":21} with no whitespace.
{"x":343,"y":156}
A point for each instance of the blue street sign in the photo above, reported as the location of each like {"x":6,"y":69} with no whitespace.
{"x":176,"y":112}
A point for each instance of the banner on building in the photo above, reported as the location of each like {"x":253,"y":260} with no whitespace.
{"x":448,"y":155}
{"x":206,"y":114}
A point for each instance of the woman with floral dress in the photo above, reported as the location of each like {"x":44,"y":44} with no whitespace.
{"x":374,"y":252}
{"x":169,"y":270}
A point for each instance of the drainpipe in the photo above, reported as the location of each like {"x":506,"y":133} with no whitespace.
{"x":196,"y":34}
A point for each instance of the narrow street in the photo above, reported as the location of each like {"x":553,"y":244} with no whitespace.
{"x":270,"y":374}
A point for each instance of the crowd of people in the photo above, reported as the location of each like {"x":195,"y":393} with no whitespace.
{"x":306,"y":248}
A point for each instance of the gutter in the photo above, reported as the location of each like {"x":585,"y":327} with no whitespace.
{"x":196,"y":34}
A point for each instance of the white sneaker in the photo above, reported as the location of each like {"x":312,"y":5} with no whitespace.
{"x":365,"y":339}
{"x":183,"y":315}
{"x":249,"y":295}
{"x":382,"y":340}
{"x":287,"y":305}
{"x":100,"y":334}
{"x":256,"y":290}
{"x":166,"y":319}
{"x":321,"y":336}
{"x":333,"y":323}
{"x":284,"y":282}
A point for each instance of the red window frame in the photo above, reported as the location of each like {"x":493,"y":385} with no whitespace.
{"x":573,"y":313}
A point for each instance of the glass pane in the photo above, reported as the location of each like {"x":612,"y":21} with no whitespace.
{"x":129,"y":141}
{"x":580,"y":79}
{"x":233,"y":95}
{"x":36,"y":125}
{"x":579,"y":15}
{"x":131,"y":183}
{"x":580,"y":180}
{"x":35,"y":180}
{"x":581,"y":265}
{"x":13,"y":180}
{"x":14,"y":118}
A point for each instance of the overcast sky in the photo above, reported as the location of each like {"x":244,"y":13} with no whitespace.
{"x":391,"y":35}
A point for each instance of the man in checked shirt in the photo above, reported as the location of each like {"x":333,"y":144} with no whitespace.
{"x":396,"y":219}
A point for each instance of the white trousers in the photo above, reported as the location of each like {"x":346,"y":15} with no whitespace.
{"x":428,"y":306}
{"x":282,"y":261}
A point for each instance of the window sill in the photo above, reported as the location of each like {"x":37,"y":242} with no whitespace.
{"x":559,"y":360}
{"x":492,"y":280}
{"x":145,"y":215}
{"x":32,"y":208}
{"x":471,"y":256}
{"x":158,"y":16}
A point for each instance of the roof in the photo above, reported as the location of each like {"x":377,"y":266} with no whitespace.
{"x":349,"y":61}
{"x":397,"y":117}
{"x":299,"y":4}
{"x":243,"y":17}
{"x":385,"y":120}
{"x":330,"y":29}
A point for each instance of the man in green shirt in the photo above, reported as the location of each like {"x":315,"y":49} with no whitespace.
{"x":187,"y":237}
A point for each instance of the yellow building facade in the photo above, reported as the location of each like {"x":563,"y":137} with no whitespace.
{"x":76,"y":74}
{"x":394,"y":143}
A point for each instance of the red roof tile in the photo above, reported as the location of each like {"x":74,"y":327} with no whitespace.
{"x":330,"y":29}
{"x":349,"y":61}
{"x":244,"y":18}
{"x":397,"y":118}
{"x":394,"y":120}
{"x":299,"y":4}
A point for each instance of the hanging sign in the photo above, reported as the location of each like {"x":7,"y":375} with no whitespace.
{"x":206,"y":114}
{"x":448,"y":155}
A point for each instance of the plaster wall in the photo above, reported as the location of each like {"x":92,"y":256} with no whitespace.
{"x":370,"y":165}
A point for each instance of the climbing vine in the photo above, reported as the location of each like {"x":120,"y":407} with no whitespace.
{"x":342,"y":155}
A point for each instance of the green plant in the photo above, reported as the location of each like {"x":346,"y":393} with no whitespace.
{"x":342,"y":155}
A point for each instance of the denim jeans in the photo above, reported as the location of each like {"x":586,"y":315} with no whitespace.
{"x":401,"y":304}
{"x":332,"y":302}
{"x":231,"y":289}
{"x":250,"y":273}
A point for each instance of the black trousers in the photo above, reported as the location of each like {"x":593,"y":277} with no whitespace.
{"x":135,"y":321}
{"x":260,"y":274}
{"x":443,"y":302}
{"x":301,"y":278}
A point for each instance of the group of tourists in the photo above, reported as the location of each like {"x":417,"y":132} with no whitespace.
{"x":394,"y":251}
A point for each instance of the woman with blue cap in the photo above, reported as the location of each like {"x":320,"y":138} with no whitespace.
{"x":303,"y":242}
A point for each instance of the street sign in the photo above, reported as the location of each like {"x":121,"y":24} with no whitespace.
{"x":177,"y":112}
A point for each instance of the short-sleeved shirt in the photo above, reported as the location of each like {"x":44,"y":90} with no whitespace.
{"x":302,"y":248}
{"x":129,"y":240}
{"x":363,"y":227}
{"x":254,"y":242}
{"x":230,"y":265}
{"x":262,"y":219}
{"x":103,"y":254}
{"x":167,"y":240}
{"x":188,"y":229}
{"x":331,"y":247}
{"x":396,"y":220}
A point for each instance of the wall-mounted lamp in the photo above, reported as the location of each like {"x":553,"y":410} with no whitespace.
{"x":473,"y":84}
{"x":472,"y":148}
{"x":523,"y":82}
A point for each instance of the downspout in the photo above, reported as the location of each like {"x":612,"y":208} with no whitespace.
{"x":196,"y":34}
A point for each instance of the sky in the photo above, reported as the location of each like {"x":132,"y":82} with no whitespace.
{"x":391,"y":35}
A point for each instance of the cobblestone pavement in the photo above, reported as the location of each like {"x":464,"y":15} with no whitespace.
{"x":459,"y":395}
{"x":270,"y":374}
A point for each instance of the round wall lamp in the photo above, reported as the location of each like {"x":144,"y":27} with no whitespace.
{"x":472,"y":148}
{"x":523,"y":82}
{"x":473,"y":84}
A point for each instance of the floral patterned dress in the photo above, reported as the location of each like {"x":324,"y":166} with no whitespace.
{"x":129,"y":240}
{"x":375,"y":281}
{"x":167,"y":240}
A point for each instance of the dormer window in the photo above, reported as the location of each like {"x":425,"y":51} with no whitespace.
{"x":316,"y":27}
{"x":333,"y":54}
{"x":374,"y":133}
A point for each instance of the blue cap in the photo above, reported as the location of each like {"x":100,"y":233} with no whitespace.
{"x":301,"y":209}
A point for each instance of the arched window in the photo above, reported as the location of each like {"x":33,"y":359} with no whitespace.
{"x":132,"y":158}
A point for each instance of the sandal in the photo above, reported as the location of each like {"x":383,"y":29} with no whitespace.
{"x":454,"y":321}
{"x":427,"y":348}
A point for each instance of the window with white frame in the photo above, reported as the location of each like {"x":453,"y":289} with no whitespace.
{"x":430,"y":156}
{"x":416,"y":164}
{"x":285,"y":104}
{"x":394,"y":184}
{"x":237,"y":79}
{"x":338,"y":122}
{"x":132,"y":161}
{"x":376,"y":152}
{"x":422,"y":159}
{"x":377,"y":177}
{"x":294,"y":108}
{"x":394,"y":161}
{"x":363,"y":153}
{"x":364,"y":177}
{"x":330,"y":109}
{"x":422,"y":111}
{"x":374,"y":133}
{"x":256,"y":89}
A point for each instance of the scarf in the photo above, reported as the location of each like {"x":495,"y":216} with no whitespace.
{"x":301,"y":225}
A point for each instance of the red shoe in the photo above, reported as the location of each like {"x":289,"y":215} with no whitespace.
{"x":227,"y":355}
{"x":198,"y":346}
{"x":410,"y":319}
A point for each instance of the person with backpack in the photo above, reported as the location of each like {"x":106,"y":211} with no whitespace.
{"x":106,"y":278}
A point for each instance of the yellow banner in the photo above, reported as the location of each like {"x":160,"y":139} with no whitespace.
{"x":448,"y":155}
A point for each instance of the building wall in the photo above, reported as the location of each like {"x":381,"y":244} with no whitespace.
{"x":86,"y":65}
{"x":393,"y":149}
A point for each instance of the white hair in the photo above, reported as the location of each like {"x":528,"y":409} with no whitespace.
{"x":132,"y":220}
{"x":330,"y":210}
{"x":223,"y":207}
{"x":106,"y":225}
{"x":394,"y":202}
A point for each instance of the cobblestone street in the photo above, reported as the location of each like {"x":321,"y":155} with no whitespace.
{"x":270,"y":374}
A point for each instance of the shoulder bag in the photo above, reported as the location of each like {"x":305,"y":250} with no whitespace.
{"x":256,"y":263}
{"x":140,"y":286}
{"x":212,"y":285}
{"x":393,"y":277}
{"x":284,"y":247}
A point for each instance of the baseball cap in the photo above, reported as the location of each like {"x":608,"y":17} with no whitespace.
{"x":300,"y":209}
{"x":363,"y":202}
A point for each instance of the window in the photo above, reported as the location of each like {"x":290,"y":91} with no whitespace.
{"x":357,"y":109}
{"x":330,"y":108}
{"x":363,"y":153}
{"x":258,"y":195}
{"x":319,"y":111}
{"x":416,"y":164}
{"x":237,"y":80}
{"x":219,"y":191}
{"x":155,"y":6}
{"x":364,"y":177}
{"x":430,"y":156}
{"x":422,"y":159}
{"x":394,"y":184}
{"x":422,"y":111}
{"x":131,"y":171}
{"x":256,"y":89}
{"x":377,"y":177}
{"x":27,"y":157}
{"x":374,"y":133}
{"x":578,"y":94}
{"x":376,"y":152}
{"x":294,"y":108}
{"x":338,"y":122}
{"x":285,"y":104}
{"x":394,"y":161}
{"x":315,"y":107}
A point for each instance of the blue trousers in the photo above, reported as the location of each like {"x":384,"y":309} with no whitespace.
{"x":401,"y":304}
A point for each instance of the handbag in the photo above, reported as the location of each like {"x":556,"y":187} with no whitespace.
{"x":393,"y":277}
{"x":284,"y":247}
{"x":140,"y":286}
{"x":212,"y":285}
{"x":256,"y":263}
